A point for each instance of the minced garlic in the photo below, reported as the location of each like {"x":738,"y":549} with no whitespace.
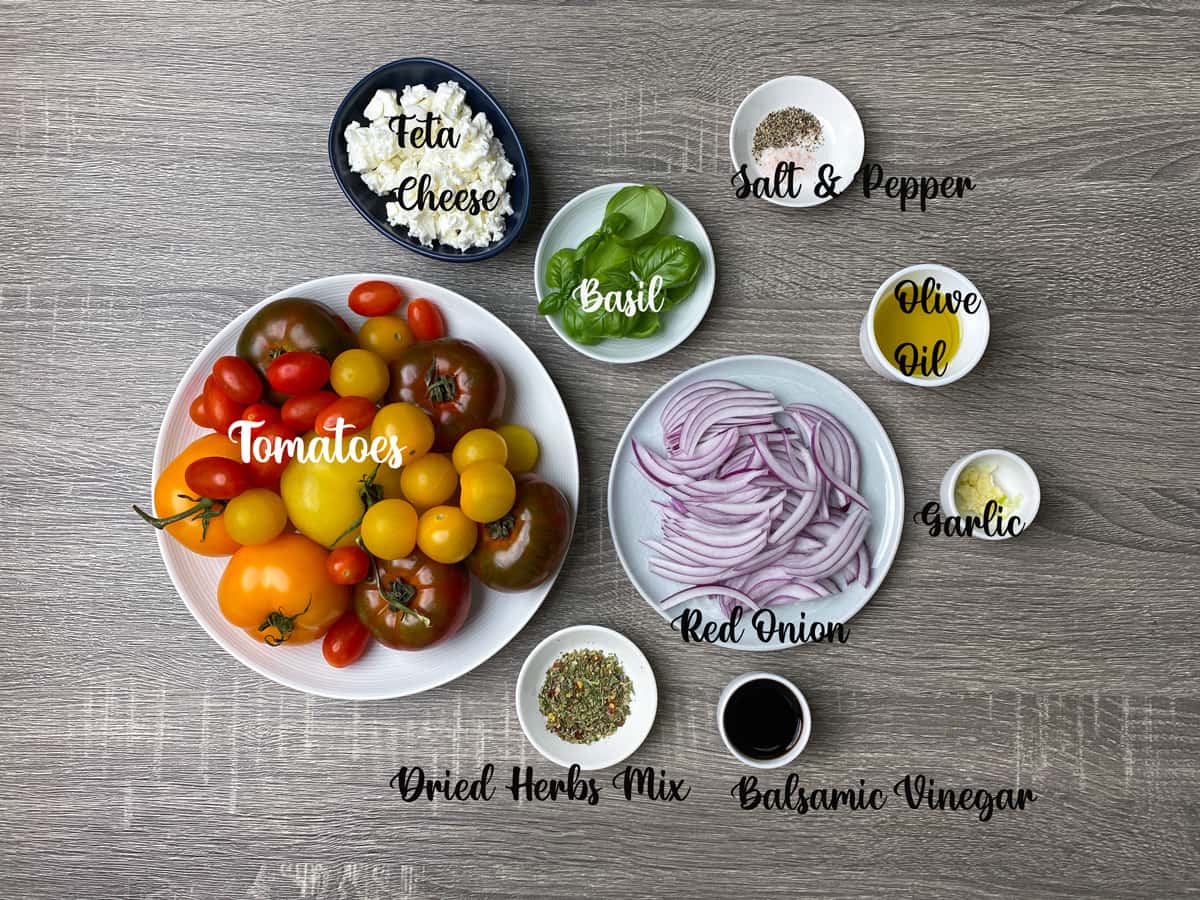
{"x":976,"y":486}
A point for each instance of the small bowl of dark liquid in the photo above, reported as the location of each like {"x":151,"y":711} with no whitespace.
{"x":764,"y":720}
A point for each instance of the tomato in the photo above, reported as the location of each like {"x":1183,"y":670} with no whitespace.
{"x":355,"y":413}
{"x":300,"y":413}
{"x":425,"y":320}
{"x":196,"y":411}
{"x":385,"y":336}
{"x":375,"y":298}
{"x":346,"y":641}
{"x":267,"y":474}
{"x":525,"y":547}
{"x":522,"y":447}
{"x":326,"y":500}
{"x":237,"y":378}
{"x":298,"y":372}
{"x":486,"y":491}
{"x":454,"y":382}
{"x":261,"y":412}
{"x":200,"y":530}
{"x":389,"y":529}
{"x":445,"y":534}
{"x":428,"y":481}
{"x":221,"y":409}
{"x":218,"y":477}
{"x":360,"y":373}
{"x":279,"y":592}
{"x":415,"y":603}
{"x":291,"y":324}
{"x":348,"y":565}
{"x":409,"y":425}
{"x":477,"y":445}
{"x":255,"y":516}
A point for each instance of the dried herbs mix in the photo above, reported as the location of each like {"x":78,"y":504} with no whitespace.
{"x":585,"y":696}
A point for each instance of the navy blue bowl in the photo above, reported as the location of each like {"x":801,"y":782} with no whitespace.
{"x":430,"y":72}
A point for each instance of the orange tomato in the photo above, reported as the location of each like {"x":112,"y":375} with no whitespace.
{"x":280,"y":592}
{"x":168,"y":502}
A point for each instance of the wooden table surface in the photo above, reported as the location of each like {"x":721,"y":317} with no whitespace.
{"x":163,"y":167}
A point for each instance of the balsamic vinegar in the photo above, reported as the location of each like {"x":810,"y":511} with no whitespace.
{"x":763,"y":719}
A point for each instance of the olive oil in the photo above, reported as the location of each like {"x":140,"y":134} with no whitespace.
{"x":918,"y":338}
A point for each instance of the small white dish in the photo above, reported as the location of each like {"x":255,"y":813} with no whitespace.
{"x":976,"y":326}
{"x":579,"y":218}
{"x":805,"y":726}
{"x":642,"y":707}
{"x":842,"y":145}
{"x":1014,"y":476}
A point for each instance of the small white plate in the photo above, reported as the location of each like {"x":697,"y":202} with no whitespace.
{"x":1013,"y":476}
{"x":580,"y":218}
{"x":642,"y":707}
{"x":495,"y":618}
{"x":633,"y":516}
{"x":841,"y":127}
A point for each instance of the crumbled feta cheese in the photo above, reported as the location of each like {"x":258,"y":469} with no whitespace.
{"x":477,"y":164}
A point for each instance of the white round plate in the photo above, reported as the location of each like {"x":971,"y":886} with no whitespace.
{"x":642,"y":707}
{"x":495,"y":618}
{"x":843,"y":142}
{"x":580,"y":218}
{"x":632,"y":515}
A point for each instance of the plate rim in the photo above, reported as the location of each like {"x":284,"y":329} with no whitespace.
{"x":177,"y":401}
{"x":883,"y":567}
{"x":590,"y":350}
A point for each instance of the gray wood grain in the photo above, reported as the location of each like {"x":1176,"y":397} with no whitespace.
{"x":163,"y":166}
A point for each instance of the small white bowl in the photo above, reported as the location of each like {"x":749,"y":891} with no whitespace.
{"x":642,"y":707}
{"x":1013,"y":475}
{"x":579,"y":218}
{"x":841,"y":127}
{"x":805,"y":728}
{"x":976,"y":327}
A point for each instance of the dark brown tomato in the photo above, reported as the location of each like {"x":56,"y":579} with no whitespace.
{"x":415,"y":603}
{"x":455,"y":382}
{"x":291,"y":324}
{"x":525,"y":547}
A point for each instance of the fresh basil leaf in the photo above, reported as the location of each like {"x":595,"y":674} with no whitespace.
{"x":673,"y":259}
{"x":642,"y":205}
{"x":613,"y":223}
{"x":587,"y":245}
{"x":645,"y":324}
{"x":609,"y":255}
{"x":551,"y":303}
{"x":560,"y":269}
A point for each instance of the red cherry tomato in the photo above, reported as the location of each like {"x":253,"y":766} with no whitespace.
{"x":221,"y":409}
{"x":237,"y":378}
{"x":348,"y":565}
{"x":425,"y":321}
{"x":298,"y":372}
{"x":261,"y":412}
{"x":300,"y":412}
{"x":218,"y":477}
{"x":356,"y":412}
{"x":346,"y":641}
{"x":196,"y":411}
{"x":267,"y":474}
{"x":375,"y":298}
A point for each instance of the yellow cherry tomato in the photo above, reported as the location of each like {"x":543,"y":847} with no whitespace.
{"x":477,"y":445}
{"x":389,"y":529}
{"x":522,"y":447}
{"x":487,"y":491}
{"x":359,"y":373}
{"x":324,"y":499}
{"x":255,"y":516}
{"x":409,"y":425}
{"x":446,"y":535}
{"x":385,"y":336}
{"x":429,"y":481}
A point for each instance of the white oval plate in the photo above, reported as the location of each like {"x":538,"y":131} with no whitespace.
{"x":495,"y":618}
{"x":632,"y":515}
{"x":580,"y":218}
{"x":642,"y":707}
{"x":842,"y":147}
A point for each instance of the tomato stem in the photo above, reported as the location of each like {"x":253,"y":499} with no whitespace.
{"x":440,"y":388}
{"x":283,"y":623}
{"x":369,"y":493}
{"x":398,"y":594}
{"x":204,"y":509}
{"x":501,"y":528}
